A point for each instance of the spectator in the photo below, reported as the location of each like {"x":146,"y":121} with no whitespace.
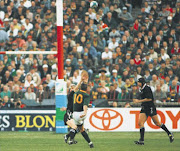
{"x":5,"y":92}
{"x":125,"y":42}
{"x":104,"y":89}
{"x":46,"y":90}
{"x":163,"y":70}
{"x":40,"y":94}
{"x":44,"y":71}
{"x":16,"y":97}
{"x":108,"y":80}
{"x":134,"y":93}
{"x":128,"y":58}
{"x":159,"y":95}
{"x":137,"y":59}
{"x":29,"y":42}
{"x":128,"y":84}
{"x":164,"y":86}
{"x":176,"y":69}
{"x":172,"y":96}
{"x":114,"y":76}
{"x":131,"y":80}
{"x":174,"y":84}
{"x":175,"y":49}
{"x":16,"y":80}
{"x":106,"y":54}
{"x":125,"y":75}
{"x":112,"y":95}
{"x":114,"y":33}
{"x":29,"y":15}
{"x":171,"y":74}
{"x":29,"y":60}
{"x":5,"y":102}
{"x":154,"y":82}
{"x":51,"y":83}
{"x":116,"y":87}
{"x":113,"y":44}
{"x":124,"y":95}
{"x":35,"y":76}
{"x":110,"y":21}
{"x":125,"y":17}
{"x":164,"y":12}
{"x":68,"y":71}
{"x":92,"y":15}
{"x":147,"y":75}
{"x":153,"y":54}
{"x":152,"y":69}
{"x":4,"y":35}
{"x":29,"y":95}
{"x":120,"y":82}
{"x":89,"y":64}
{"x":94,"y":93}
{"x":7,"y":77}
{"x":93,"y":52}
{"x":97,"y":43}
{"x":28,"y":25}
{"x":29,"y":81}
{"x":164,"y":55}
{"x":76,"y":78}
{"x":102,"y":74}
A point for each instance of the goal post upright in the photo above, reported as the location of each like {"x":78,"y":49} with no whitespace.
{"x":59,"y":18}
{"x":61,"y":86}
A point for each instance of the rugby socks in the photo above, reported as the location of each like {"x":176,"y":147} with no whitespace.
{"x":165,"y":129}
{"x":86,"y":137}
{"x":142,"y":130}
{"x":67,"y":135}
{"x":72,"y":133}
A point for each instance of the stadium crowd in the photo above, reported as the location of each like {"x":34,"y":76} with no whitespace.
{"x":113,"y":43}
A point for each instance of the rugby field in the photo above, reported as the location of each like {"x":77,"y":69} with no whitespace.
{"x":110,"y":141}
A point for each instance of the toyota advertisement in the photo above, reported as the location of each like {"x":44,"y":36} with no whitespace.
{"x":126,"y":119}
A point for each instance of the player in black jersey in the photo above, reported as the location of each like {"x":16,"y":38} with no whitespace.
{"x":68,"y":119}
{"x":148,"y":109}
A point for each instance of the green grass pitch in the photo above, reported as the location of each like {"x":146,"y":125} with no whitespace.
{"x":110,"y":141}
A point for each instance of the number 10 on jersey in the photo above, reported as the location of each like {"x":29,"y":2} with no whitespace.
{"x":78,"y":98}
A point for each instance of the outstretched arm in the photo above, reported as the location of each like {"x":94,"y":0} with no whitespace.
{"x":140,"y":101}
{"x":78,"y":86}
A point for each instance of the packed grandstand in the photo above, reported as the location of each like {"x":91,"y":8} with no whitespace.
{"x":115,"y":41}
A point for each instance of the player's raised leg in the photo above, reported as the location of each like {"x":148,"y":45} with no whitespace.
{"x":142,"y":120}
{"x":163,"y":126}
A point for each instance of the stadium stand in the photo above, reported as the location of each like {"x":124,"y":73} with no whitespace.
{"x":116,"y":42}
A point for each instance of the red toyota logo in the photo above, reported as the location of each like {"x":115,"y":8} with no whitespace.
{"x":106,"y":116}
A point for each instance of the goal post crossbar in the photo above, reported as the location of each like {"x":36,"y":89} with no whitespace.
{"x":28,"y":52}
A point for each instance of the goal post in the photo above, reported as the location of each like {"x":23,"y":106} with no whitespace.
{"x":61,"y":85}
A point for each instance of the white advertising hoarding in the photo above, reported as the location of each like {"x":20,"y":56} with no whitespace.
{"x":126,"y":119}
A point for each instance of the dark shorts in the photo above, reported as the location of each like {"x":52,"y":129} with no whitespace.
{"x":149,"y":110}
{"x":67,"y":117}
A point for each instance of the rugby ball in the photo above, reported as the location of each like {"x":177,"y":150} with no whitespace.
{"x":93,"y":4}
